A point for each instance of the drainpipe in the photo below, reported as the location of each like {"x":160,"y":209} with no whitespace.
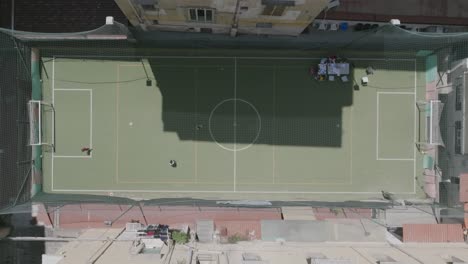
{"x":235,"y":20}
{"x":137,"y":14}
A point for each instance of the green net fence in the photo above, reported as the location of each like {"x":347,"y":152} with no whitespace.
{"x":15,"y":92}
{"x":116,"y":42}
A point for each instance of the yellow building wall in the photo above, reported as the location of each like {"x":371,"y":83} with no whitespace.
{"x":174,"y":14}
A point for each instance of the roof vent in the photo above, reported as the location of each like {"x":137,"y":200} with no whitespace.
{"x":109,"y":20}
{"x":395,"y":22}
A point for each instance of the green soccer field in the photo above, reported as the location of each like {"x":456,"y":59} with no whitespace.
{"x":237,"y":127}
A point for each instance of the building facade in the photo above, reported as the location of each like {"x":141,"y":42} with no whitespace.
{"x":452,"y":86}
{"x":262,"y":17}
{"x":454,"y":96}
{"x":457,"y":101}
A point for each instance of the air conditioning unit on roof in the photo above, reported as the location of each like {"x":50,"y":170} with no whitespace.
{"x":133,"y":227}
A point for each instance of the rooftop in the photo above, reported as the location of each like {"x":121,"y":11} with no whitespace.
{"x":115,"y":251}
{"x":443,"y":12}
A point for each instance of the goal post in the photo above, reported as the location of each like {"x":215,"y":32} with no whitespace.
{"x":36,"y":113}
{"x":429,"y":136}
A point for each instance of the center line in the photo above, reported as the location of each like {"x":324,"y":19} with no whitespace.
{"x":235,"y":123}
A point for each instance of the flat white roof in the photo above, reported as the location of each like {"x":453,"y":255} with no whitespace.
{"x":118,"y":252}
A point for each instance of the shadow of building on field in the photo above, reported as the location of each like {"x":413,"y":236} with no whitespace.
{"x":246,"y":105}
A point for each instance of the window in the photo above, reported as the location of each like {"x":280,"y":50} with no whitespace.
{"x":279,"y":2}
{"x":209,"y":15}
{"x":273,"y":10}
{"x":458,"y":137}
{"x":458,"y":97}
{"x":201,"y":15}
{"x":192,"y":14}
{"x":148,"y":7}
{"x":275,"y":7}
{"x":264,"y":25}
{"x":206,"y":30}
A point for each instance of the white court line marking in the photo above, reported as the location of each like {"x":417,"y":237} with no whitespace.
{"x":377,"y":157}
{"x":195,"y":78}
{"x":380,"y":59}
{"x":377,"y":128}
{"x":53,"y":123}
{"x":117,"y":123}
{"x":224,"y":57}
{"x":235,"y":119}
{"x":72,"y":89}
{"x":266,"y":58}
{"x":53,"y":81}
{"x":235,"y":124}
{"x":74,"y":157}
{"x":415,"y":93}
{"x":415,"y":120}
{"x":396,"y":92}
{"x":274,"y":124}
{"x":90,"y":120}
{"x":227,"y":191}
{"x":351,"y":146}
{"x":396,"y":159}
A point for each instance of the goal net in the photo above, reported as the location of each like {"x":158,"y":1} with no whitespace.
{"x":430,"y":113}
{"x":38,"y":112}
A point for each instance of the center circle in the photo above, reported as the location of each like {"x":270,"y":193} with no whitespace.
{"x":234,"y":121}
